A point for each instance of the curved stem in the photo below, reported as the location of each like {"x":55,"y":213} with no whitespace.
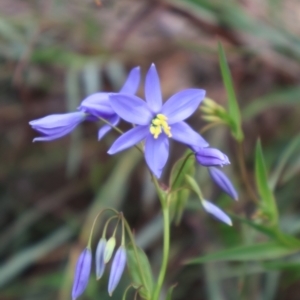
{"x":119,"y":131}
{"x":127,"y":227}
{"x":181,"y":168}
{"x":209,"y":126}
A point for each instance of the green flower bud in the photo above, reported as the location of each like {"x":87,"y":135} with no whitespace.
{"x":109,"y":249}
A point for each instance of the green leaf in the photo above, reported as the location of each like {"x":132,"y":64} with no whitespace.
{"x":270,"y":232}
{"x":180,"y":201}
{"x":283,"y":159}
{"x":263,"y":251}
{"x":170,"y":291}
{"x":281,"y":97}
{"x":283,"y":265}
{"x":233,"y":108}
{"x":184,"y":165}
{"x":268,"y":203}
{"x":140,"y":271}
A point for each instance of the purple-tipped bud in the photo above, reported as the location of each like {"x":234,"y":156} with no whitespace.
{"x":216,"y":211}
{"x":100,"y":264}
{"x":209,"y":157}
{"x":55,"y":126}
{"x":223,"y":182}
{"x":82,"y":273}
{"x":117,"y":269}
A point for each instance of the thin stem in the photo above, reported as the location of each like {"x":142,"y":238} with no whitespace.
{"x":241,"y":161}
{"x":119,"y":131}
{"x":127,"y":227}
{"x":94,"y":223}
{"x":166,"y":249}
{"x":181,"y":167}
{"x":209,"y":126}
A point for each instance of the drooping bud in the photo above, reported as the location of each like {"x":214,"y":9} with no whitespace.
{"x":209,"y":157}
{"x":216,"y":211}
{"x":109,"y":249}
{"x":117,"y":269}
{"x":82,"y":273}
{"x":100,"y":264}
{"x":223,"y":182}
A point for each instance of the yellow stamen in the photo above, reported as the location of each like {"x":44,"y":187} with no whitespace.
{"x":158,"y":124}
{"x":161,"y":117}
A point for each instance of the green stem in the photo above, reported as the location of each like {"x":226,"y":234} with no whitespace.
{"x":166,"y":249}
{"x":181,"y":168}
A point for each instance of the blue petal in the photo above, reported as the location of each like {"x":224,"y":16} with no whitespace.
{"x":58,"y":120}
{"x":183,"y":104}
{"x":129,"y":139}
{"x":117,"y":269}
{"x":157,"y":153}
{"x":217,"y":212}
{"x":131,"y":108}
{"x":152,"y":90}
{"x":54,"y":134}
{"x":55,"y":126}
{"x":97,"y":104}
{"x":221,"y":179}
{"x":132,"y":83}
{"x":82,"y":273}
{"x":114,"y":120}
{"x":183,"y":133}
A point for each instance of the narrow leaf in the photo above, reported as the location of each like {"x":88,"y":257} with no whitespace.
{"x":284,"y":157}
{"x":180,"y":201}
{"x":140,"y":271}
{"x":170,"y":291}
{"x":263,"y":251}
{"x":233,"y":108}
{"x":268,"y":204}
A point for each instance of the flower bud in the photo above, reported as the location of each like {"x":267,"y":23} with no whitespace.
{"x":211,"y":157}
{"x":55,"y":126}
{"x":117,"y":269}
{"x":109,"y":249}
{"x":82,"y":273}
{"x":100,"y":265}
{"x":216,"y":211}
{"x":223,"y":182}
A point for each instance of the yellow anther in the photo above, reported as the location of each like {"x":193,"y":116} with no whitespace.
{"x":162,"y":117}
{"x":160,"y":124}
{"x":167,"y":130}
{"x":152,"y":129}
{"x":156,"y":122}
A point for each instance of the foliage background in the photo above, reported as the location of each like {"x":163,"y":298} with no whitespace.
{"x":54,"y":53}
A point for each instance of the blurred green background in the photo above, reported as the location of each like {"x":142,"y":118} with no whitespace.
{"x":54,"y":53}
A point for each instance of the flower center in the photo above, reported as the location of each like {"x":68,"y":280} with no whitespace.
{"x":159,"y":124}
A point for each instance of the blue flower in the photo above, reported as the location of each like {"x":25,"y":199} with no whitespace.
{"x":55,"y":126}
{"x":209,"y":157}
{"x":117,"y":269}
{"x":157,"y":122}
{"x":223,"y":182}
{"x":99,"y":105}
{"x":82,"y":273}
{"x":94,"y":106}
